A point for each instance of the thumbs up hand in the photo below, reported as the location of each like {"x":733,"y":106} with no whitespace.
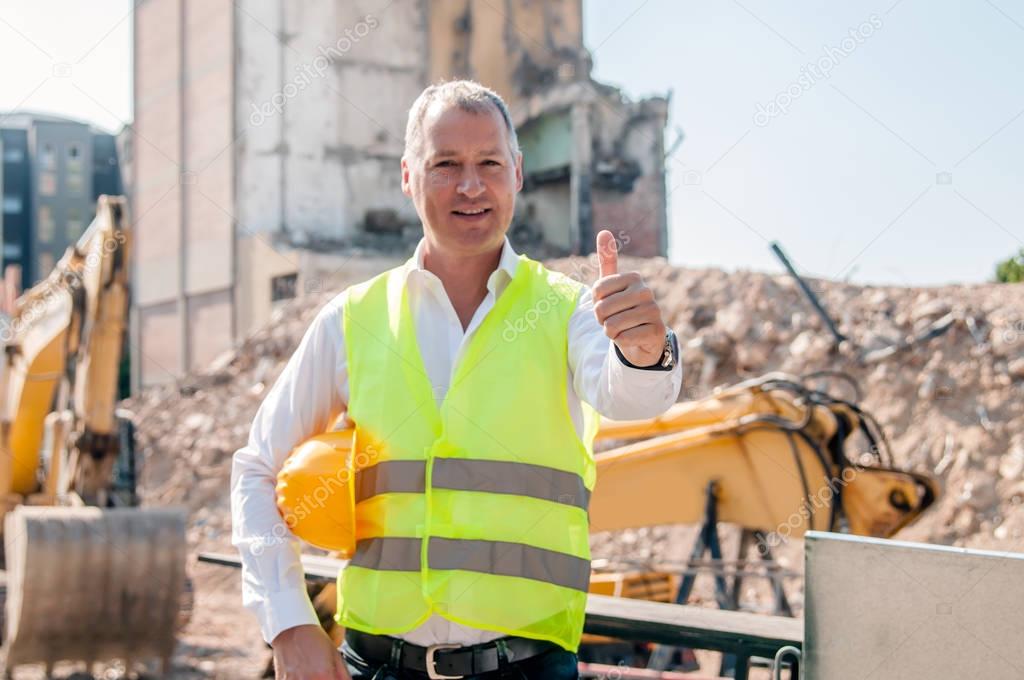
{"x":626,"y":308}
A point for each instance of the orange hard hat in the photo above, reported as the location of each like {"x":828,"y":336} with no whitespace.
{"x":315,"y":492}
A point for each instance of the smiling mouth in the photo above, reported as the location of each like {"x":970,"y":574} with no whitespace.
{"x":474,"y":212}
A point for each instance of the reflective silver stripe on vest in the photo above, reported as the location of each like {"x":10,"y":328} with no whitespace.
{"x":491,"y":476}
{"x":510,"y":559}
{"x":391,"y":476}
{"x":489,"y":557}
{"x":521,"y":479}
{"x":388,"y":554}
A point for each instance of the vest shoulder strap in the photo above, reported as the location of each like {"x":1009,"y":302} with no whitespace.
{"x":563,"y":285}
{"x":359,"y":292}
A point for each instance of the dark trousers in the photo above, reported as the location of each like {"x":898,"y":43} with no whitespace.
{"x":557,"y":664}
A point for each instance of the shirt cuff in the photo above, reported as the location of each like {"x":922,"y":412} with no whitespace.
{"x":638,"y":393}
{"x":657,"y":366}
{"x":283,"y":610}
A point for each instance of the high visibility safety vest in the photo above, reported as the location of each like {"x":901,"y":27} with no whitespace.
{"x":477,"y":510}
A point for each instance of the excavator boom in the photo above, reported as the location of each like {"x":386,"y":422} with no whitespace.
{"x":89,"y":577}
{"x":777,"y":452}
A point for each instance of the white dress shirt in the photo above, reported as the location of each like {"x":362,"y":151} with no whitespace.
{"x":313,"y":390}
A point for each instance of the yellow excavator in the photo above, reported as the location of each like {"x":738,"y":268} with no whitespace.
{"x":88,"y":575}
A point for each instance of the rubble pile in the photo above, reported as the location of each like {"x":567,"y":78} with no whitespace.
{"x":952,"y":404}
{"x":186,"y":432}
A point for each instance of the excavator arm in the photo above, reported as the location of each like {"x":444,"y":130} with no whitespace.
{"x":783,"y":457}
{"x":85,"y":580}
{"x":62,"y":353}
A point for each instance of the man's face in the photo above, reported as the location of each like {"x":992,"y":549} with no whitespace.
{"x":463,"y":180}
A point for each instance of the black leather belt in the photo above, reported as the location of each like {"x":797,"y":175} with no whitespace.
{"x":445,"y":661}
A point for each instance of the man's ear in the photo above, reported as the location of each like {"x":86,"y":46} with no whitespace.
{"x":405,"y":177}
{"x":519,"y":171}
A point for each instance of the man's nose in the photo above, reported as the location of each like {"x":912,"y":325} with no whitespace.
{"x":469,"y":184}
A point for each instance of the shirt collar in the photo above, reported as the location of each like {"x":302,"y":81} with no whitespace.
{"x":507,"y":264}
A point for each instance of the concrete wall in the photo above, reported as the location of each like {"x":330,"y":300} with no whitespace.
{"x":616,"y":179}
{"x":517,"y":48}
{"x":208,"y":146}
{"x":322,"y":122}
{"x":259,"y":261}
{"x":320,"y":272}
{"x":546,"y":213}
{"x":157,"y":355}
{"x":209,"y":267}
{"x":183,"y":184}
{"x":628,"y":188}
{"x":546,"y":143}
{"x":209,"y":326}
{"x":324,"y":114}
{"x":158,"y":143}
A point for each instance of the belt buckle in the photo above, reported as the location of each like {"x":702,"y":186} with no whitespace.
{"x":431,"y":663}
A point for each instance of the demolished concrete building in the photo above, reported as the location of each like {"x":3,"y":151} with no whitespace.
{"x":268,"y":136}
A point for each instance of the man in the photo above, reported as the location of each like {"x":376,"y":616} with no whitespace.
{"x":474,"y":378}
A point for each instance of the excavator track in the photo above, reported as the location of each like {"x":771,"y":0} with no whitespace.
{"x":93,"y":584}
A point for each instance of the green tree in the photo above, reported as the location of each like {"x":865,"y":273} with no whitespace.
{"x":1011,"y":270}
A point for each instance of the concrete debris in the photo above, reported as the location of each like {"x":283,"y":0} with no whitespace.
{"x":187,"y":432}
{"x":809,"y":347}
{"x":734,"y":320}
{"x":1012,"y":465}
{"x":1015,"y":369}
{"x":925,"y":308}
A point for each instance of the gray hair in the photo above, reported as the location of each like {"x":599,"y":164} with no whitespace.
{"x":468,"y":95}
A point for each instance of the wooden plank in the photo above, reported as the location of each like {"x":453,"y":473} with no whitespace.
{"x":640,"y":620}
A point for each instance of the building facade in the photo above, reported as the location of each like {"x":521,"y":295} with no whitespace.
{"x":268,"y":136}
{"x":53,"y":170}
{"x":16,"y":216}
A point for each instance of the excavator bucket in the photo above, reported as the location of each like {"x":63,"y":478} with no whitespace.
{"x":93,"y":584}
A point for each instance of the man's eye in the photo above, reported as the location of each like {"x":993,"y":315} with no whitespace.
{"x":444,"y":164}
{"x":491,"y":162}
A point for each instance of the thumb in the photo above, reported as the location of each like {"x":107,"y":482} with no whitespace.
{"x":607,"y":253}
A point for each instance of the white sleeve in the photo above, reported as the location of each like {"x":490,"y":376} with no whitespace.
{"x":310,"y":392}
{"x":601,"y":379}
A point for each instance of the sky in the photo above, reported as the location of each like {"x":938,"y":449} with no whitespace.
{"x":880,"y":142}
{"x":69,"y":58}
{"x":903,"y":164}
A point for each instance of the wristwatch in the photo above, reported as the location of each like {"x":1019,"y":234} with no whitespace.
{"x":669,"y":355}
